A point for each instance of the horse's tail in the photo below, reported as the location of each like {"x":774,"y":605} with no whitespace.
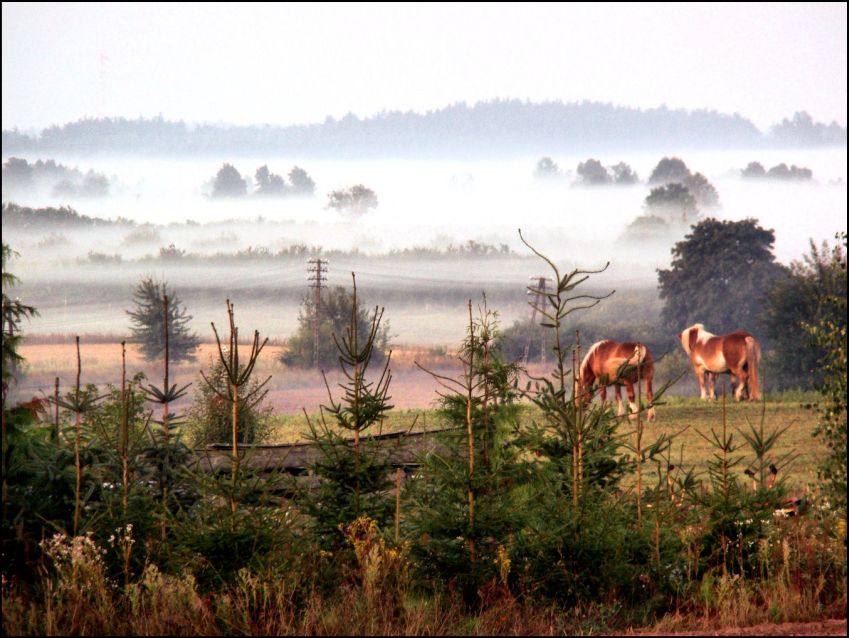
{"x":753,"y":357}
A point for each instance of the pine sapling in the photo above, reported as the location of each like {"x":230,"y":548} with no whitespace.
{"x":237,"y":375}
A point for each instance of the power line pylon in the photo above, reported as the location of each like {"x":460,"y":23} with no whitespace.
{"x":318,"y":278}
{"x":538,"y":292}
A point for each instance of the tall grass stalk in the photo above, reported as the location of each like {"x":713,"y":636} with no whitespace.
{"x":77,"y":436}
{"x":125,"y":435}
{"x":55,"y":433}
{"x":639,"y":441}
{"x":470,"y":388}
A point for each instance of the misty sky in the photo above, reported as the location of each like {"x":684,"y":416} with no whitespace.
{"x":286,"y":64}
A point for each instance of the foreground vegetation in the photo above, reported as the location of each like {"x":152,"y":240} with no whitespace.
{"x":538,"y":513}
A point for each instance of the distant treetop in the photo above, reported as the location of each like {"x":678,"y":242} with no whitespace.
{"x":669,"y":169}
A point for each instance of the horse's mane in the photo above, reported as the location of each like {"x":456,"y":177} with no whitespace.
{"x":585,"y":362}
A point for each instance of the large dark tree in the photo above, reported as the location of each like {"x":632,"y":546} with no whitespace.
{"x":803,"y":297}
{"x":720,"y":275}
{"x":149,"y":319}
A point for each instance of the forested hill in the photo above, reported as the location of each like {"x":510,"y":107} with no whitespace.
{"x":497,"y":127}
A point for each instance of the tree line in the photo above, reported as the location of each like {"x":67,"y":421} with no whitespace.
{"x":499,"y":126}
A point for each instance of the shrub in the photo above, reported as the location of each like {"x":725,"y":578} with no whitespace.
{"x":210,"y":416}
{"x":356,"y":199}
{"x":335,"y":316}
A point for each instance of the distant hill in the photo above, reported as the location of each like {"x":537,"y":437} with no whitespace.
{"x":496,"y":127}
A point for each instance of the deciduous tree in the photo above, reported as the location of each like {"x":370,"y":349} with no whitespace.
{"x":356,"y":199}
{"x":228,"y":183}
{"x":720,"y":274}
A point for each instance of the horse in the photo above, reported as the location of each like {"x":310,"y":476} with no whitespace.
{"x":737,"y":353}
{"x":612,"y":363}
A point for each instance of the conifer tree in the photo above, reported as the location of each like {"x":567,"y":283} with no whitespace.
{"x":470,"y":501}
{"x":149,"y":323}
{"x":354,"y":475}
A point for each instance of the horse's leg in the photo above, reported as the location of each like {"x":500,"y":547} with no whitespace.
{"x":711,"y":379}
{"x":700,"y":375}
{"x":620,"y":410}
{"x":650,"y":397}
{"x":743,"y":378}
{"x":633,"y":408}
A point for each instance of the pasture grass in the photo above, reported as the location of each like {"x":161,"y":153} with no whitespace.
{"x":683,"y":418}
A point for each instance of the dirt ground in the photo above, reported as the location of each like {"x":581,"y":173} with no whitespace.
{"x":290,"y":389}
{"x":819,"y":628}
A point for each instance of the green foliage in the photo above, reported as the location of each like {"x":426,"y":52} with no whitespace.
{"x":228,"y":183}
{"x":578,"y":541}
{"x":463,"y":512}
{"x":353,"y":475}
{"x":356,"y":200}
{"x":216,"y":544}
{"x":209,"y":418}
{"x":829,"y":334}
{"x":732,"y":520}
{"x":335,"y":314}
{"x":14,"y":312}
{"x":149,"y":320}
{"x":719,"y":276}
{"x":803,"y":297}
{"x":592,"y":553}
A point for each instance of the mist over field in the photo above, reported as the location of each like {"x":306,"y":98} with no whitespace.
{"x":422,"y":204}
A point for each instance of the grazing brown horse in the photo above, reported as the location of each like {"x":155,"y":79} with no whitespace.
{"x":737,"y":353}
{"x":617,"y":364}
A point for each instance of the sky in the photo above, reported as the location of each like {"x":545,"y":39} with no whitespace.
{"x":293,"y":63}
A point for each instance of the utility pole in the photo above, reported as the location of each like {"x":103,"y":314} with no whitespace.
{"x":317,"y":277}
{"x":539,"y":298}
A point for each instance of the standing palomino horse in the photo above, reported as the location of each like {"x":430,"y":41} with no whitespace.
{"x":737,"y":353}
{"x":617,"y":364}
